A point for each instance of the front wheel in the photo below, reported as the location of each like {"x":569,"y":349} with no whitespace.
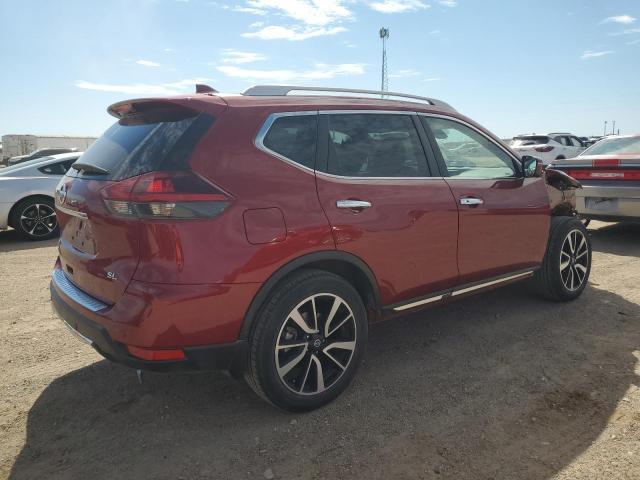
{"x":35,"y":219}
{"x":308,"y":341}
{"x":565,"y":270}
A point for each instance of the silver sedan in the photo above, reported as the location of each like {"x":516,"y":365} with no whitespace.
{"x":609,"y":172}
{"x":26,"y":195}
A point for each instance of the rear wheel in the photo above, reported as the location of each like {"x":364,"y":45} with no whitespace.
{"x":35,"y":219}
{"x":565,"y":270}
{"x":308,"y":341}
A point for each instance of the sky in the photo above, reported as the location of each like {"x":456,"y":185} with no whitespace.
{"x":513,"y":66}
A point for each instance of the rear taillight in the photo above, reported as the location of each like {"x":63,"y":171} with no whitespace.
{"x":180,"y":194}
{"x":546,"y":148}
{"x":601,"y":174}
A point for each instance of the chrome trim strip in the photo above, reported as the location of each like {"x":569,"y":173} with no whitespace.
{"x":74,"y":293}
{"x":331,"y":175}
{"x":367,"y":111}
{"x":68,"y":211}
{"x":80,"y":337}
{"x":418,"y":303}
{"x":493,"y":282}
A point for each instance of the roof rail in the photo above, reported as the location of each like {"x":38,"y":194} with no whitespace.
{"x":283,"y":90}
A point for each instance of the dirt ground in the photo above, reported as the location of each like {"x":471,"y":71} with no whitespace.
{"x":498,"y":386}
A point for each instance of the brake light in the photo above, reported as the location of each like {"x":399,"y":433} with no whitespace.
{"x":605,"y":174}
{"x":180,"y":194}
{"x":606,"y":162}
{"x":545,"y":149}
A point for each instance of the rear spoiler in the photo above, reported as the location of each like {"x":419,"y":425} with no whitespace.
{"x":147,"y":110}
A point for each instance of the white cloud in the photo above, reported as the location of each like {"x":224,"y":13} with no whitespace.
{"x":432,"y":79}
{"x":252,"y":11}
{"x":634,"y":42}
{"x":592,"y":54}
{"x":309,"y":12}
{"x":398,"y":6}
{"x":408,"y":72}
{"x":448,"y":3}
{"x":147,"y":63}
{"x":237,"y":57}
{"x":169,"y":50}
{"x":293,"y":33}
{"x":256,"y":24}
{"x":162,"y":89}
{"x":623,"y":19}
{"x":320,"y":71}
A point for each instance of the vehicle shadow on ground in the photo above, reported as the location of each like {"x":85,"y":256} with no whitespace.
{"x":11,"y":241}
{"x":499,"y":386}
{"x":618,"y":239}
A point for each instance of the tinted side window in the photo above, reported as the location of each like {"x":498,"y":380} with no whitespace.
{"x":467,"y":153}
{"x":59,"y":168}
{"x":375,"y":145}
{"x":294,"y":137}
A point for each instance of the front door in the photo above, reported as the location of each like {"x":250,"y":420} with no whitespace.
{"x":383,"y":204}
{"x":504,"y":218}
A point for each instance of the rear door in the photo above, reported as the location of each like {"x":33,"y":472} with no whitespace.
{"x":504,"y":218}
{"x":383,"y":203}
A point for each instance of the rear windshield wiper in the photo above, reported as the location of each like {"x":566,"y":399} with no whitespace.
{"x":88,"y":168}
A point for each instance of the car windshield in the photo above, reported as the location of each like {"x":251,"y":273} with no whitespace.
{"x":20,"y":165}
{"x":612,"y":146}
{"x":529,"y":140}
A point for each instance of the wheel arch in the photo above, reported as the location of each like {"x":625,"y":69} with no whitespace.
{"x":346,"y":265}
{"x":12,"y":211}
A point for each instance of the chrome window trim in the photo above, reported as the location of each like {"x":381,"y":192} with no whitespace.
{"x":477,"y":130}
{"x":74,"y":293}
{"x":266,"y":126}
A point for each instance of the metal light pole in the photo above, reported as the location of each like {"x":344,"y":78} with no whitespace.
{"x":605,"y":128}
{"x":613,"y":130}
{"x":384,"y":84}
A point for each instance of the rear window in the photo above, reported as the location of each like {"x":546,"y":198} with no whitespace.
{"x":529,"y":140}
{"x":129,"y":150}
{"x":613,"y":146}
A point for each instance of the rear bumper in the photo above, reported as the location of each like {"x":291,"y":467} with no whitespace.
{"x":614,"y":203}
{"x":95,"y":329}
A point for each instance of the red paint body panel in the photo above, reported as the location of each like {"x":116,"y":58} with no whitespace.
{"x":408,"y":237}
{"x":508,"y":232}
{"x":178,"y":283}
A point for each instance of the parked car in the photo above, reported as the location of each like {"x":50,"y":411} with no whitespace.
{"x":554,"y":146}
{"x":262,"y":233}
{"x":610,"y":175}
{"x":26,"y":195}
{"x":41,"y":153}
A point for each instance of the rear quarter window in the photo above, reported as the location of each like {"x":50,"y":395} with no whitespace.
{"x":294,"y":137}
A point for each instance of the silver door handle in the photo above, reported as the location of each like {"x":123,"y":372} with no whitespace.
{"x":353,"y":204}
{"x":471,"y":201}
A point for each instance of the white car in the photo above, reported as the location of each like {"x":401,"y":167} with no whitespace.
{"x":26,"y":195}
{"x":554,"y":146}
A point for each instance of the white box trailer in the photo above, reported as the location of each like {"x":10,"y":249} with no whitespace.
{"x":14,"y":145}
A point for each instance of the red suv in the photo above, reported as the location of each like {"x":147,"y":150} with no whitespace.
{"x":261,"y":233}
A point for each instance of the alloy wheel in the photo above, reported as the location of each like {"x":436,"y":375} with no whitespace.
{"x":315,"y":344}
{"x":574,"y":260}
{"x":38,"y":220}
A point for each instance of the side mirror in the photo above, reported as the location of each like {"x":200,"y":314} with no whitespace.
{"x":532,"y":166}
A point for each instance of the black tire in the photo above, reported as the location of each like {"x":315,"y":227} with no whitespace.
{"x":299,"y":388}
{"x":35,"y":218}
{"x":564,"y":272}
